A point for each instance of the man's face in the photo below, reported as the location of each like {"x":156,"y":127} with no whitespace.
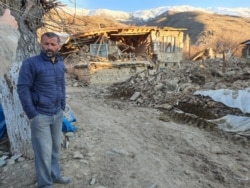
{"x":50,"y":46}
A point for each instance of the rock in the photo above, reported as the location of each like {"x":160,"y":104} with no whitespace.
{"x":15,"y":157}
{"x":153,"y":186}
{"x":10,"y":161}
{"x":2,"y":162}
{"x":216,"y":150}
{"x":77,"y":155}
{"x":92,"y":181}
{"x":135,"y":96}
{"x":4,"y":157}
{"x":70,"y":135}
{"x":20,"y":159}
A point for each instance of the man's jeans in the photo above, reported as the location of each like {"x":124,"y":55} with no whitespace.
{"x":46,"y":141}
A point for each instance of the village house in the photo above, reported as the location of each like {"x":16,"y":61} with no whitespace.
{"x":246,"y":49}
{"x":114,"y":54}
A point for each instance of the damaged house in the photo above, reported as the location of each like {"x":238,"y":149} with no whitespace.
{"x":246,"y":49}
{"x":110,"y":55}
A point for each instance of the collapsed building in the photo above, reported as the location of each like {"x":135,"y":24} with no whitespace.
{"x":110,"y":55}
{"x":246,"y":49}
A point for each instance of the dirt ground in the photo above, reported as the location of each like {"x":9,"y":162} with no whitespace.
{"x":120,"y":145}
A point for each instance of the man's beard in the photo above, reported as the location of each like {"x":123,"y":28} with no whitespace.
{"x":50,"y":54}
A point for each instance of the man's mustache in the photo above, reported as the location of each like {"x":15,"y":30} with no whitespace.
{"x":49,"y":51}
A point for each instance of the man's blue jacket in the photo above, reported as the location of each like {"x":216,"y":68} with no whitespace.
{"x":41,"y":85}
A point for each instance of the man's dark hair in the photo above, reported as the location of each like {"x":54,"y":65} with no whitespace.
{"x":51,"y":35}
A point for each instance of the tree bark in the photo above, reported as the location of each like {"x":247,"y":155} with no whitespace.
{"x":16,"y":122}
{"x":29,"y":17}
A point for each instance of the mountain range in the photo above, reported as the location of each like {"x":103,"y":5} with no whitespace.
{"x":145,"y":15}
{"x":217,"y":28}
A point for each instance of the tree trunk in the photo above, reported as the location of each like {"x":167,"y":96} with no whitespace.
{"x":29,"y":16}
{"x":16,"y":122}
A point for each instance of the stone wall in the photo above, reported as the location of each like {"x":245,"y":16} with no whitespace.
{"x":109,"y":73}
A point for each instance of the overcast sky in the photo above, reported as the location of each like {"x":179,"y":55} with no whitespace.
{"x":133,"y":5}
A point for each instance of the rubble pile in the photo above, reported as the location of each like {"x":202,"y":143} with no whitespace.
{"x":173,"y":87}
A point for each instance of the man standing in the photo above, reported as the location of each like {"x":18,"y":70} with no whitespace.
{"x":41,"y":89}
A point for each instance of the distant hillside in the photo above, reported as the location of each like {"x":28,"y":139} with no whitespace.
{"x":205,"y":29}
{"x":66,"y":22}
{"x":204,"y":26}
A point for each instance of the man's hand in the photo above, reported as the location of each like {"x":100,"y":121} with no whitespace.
{"x":8,"y":19}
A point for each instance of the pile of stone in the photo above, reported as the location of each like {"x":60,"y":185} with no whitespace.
{"x":7,"y":159}
{"x":175,"y":84}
